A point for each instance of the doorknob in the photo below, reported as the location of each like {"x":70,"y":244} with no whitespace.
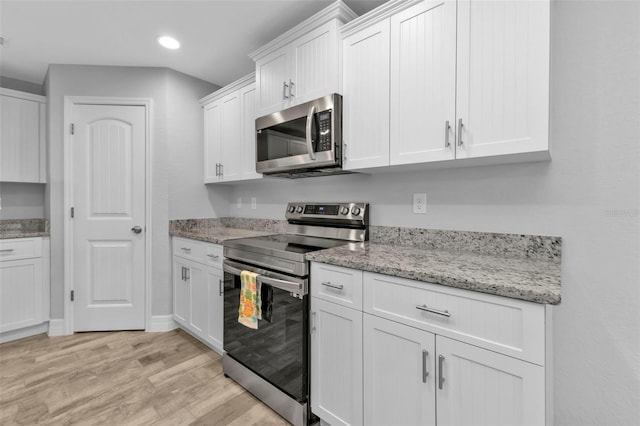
{"x":136,"y":229}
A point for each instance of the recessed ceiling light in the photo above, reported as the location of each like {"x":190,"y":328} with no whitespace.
{"x":168,"y":42}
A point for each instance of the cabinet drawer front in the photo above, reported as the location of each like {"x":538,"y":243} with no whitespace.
{"x":336,"y":284}
{"x":492,"y":322}
{"x":21,"y":248}
{"x":213,"y":255}
{"x":189,"y":249}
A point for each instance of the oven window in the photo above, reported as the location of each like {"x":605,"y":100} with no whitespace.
{"x":277,"y":350}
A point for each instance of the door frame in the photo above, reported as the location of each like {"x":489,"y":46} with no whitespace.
{"x":69,"y":103}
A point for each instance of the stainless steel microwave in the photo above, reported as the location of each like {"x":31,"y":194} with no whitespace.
{"x":304,"y":140}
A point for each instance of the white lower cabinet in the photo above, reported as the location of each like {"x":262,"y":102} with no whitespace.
{"x":197,"y":299}
{"x":431,"y":355}
{"x":24,"y":285}
{"x":336,"y":363}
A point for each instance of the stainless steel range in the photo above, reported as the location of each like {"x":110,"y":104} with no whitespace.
{"x":272,"y":361}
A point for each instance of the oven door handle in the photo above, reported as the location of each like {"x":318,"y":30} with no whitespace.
{"x":310,"y":115}
{"x":281,"y":284}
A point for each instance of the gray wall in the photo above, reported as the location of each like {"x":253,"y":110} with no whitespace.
{"x":588,"y":194}
{"x":21,"y":200}
{"x":21,"y":85}
{"x":170,"y":92}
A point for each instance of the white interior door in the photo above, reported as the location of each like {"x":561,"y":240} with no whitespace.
{"x":108,"y":177}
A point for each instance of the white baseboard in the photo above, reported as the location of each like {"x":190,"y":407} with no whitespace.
{"x":8,"y":336}
{"x":57,"y":328}
{"x":162,"y":323}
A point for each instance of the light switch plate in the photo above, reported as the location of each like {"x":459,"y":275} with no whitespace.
{"x":420,"y":203}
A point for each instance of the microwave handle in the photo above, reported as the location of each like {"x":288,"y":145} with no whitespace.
{"x":312,"y":111}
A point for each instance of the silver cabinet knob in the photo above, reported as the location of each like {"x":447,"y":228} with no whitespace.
{"x":136,"y":229}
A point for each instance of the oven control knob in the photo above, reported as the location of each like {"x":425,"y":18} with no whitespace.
{"x":299,"y":209}
{"x":355,"y":211}
{"x":292,"y":209}
{"x":344,"y":210}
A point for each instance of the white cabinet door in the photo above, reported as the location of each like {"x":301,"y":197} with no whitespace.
{"x":503,"y":77}
{"x":336,"y":363}
{"x":272,"y":82}
{"x":480,"y":387}
{"x":399,"y":374}
{"x":198,"y":299}
{"x":213,"y":277}
{"x":212,"y":141}
{"x":423,"y":86}
{"x":248,"y":133}
{"x":231,"y":144}
{"x":22,"y":137}
{"x":180,"y":291}
{"x":314,"y":66}
{"x":21,"y":294}
{"x":366,"y":97}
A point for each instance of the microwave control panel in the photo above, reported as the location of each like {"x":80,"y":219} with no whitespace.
{"x":324,"y":131}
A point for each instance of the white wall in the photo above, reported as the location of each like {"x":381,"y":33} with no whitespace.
{"x":162,"y":86}
{"x":588,"y":194}
{"x":21,"y":200}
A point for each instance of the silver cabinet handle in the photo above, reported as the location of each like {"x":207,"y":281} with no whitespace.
{"x":313,"y":321}
{"x":440,"y":373}
{"x":220,"y":291}
{"x":447,"y":127}
{"x":344,"y":151}
{"x":221,"y":169}
{"x":217,"y":169}
{"x":6,"y":250}
{"x":182,"y":272}
{"x":310,"y":114}
{"x":284,"y":90}
{"x":425,"y":308}
{"x":185,"y":249}
{"x":213,"y":256}
{"x":291,"y":94}
{"x":336,"y":286}
{"x":460,"y":126}
{"x":425,"y":373}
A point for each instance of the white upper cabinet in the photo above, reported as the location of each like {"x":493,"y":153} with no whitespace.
{"x":466,"y":79}
{"x":423,"y":84}
{"x":229,"y":133}
{"x":365,"y":104}
{"x":503,"y":103}
{"x":303,"y":63}
{"x":22,"y":137}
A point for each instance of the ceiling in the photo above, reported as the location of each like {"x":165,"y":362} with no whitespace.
{"x":216,"y":35}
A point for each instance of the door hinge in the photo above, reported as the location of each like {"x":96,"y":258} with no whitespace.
{"x":73,"y":129}
{"x":72,"y":295}
{"x":73,"y":212}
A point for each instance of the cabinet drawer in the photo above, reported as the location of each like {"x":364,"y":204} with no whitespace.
{"x":492,"y":322}
{"x":213,"y":255}
{"x":189,"y":249}
{"x":337,"y":284}
{"x":20,"y":248}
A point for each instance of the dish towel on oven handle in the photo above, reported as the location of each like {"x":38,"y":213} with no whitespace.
{"x":249,"y":311}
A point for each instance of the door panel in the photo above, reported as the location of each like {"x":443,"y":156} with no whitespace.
{"x":109,"y":200}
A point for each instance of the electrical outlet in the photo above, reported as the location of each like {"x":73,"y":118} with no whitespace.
{"x":239,"y":203}
{"x":420,"y":203}
{"x":254,"y":204}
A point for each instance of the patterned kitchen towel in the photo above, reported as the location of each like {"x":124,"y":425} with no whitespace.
{"x":249,"y":310}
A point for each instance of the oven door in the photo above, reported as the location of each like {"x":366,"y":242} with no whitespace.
{"x":277,"y":350}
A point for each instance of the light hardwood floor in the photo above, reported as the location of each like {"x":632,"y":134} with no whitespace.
{"x":121,"y":378}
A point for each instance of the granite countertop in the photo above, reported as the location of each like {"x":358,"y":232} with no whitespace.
{"x":23,"y":228}
{"x":218,"y":235}
{"x":533,"y":280}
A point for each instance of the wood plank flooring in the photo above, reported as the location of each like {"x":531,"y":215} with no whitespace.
{"x":121,"y":378}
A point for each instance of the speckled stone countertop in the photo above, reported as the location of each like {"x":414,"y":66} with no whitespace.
{"x":220,"y":229}
{"x":516,"y":266}
{"x":23,"y":228}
